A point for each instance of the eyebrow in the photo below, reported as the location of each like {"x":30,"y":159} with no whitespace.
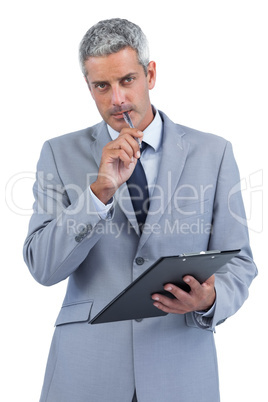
{"x":119,"y":79}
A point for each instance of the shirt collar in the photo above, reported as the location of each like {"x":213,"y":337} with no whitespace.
{"x":152,"y":133}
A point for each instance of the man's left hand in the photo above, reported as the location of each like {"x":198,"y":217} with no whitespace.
{"x":200,"y":298}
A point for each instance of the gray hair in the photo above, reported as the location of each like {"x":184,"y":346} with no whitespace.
{"x":111,"y":36}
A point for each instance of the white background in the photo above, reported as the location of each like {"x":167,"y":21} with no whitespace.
{"x":212,"y":68}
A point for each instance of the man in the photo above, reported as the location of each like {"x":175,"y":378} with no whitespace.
{"x":84,"y":228}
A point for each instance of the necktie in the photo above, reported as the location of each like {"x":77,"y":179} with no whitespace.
{"x":138,"y":190}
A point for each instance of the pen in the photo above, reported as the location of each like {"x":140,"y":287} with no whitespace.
{"x":129,"y":122}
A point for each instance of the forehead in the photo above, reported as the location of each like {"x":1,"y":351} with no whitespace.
{"x":113,"y":66}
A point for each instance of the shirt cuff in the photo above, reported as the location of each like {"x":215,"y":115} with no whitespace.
{"x":104,"y":211}
{"x":209,"y":313}
{"x":204,"y":318}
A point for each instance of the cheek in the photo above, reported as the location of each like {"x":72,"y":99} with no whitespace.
{"x":100,"y":101}
{"x":139,"y":96}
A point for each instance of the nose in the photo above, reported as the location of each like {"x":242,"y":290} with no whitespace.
{"x":118,"y":96}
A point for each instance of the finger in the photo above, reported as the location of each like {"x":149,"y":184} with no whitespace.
{"x":177,"y":292}
{"x":169,"y":310}
{"x":133,"y":132}
{"x":168,"y":305}
{"x":119,"y":154}
{"x":127,"y":160}
{"x":166,"y":300}
{"x":131,"y":149}
{"x":127,"y":143}
{"x":120,"y":150}
{"x":193,"y":283}
{"x":137,"y":135}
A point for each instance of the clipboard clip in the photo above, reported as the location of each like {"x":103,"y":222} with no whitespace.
{"x":201,"y":252}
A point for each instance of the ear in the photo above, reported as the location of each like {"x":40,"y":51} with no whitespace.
{"x":151,"y":74}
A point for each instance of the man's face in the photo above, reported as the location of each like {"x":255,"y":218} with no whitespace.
{"x":118,"y":83}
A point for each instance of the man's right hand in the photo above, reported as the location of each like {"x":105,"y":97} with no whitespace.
{"x":119,"y":158}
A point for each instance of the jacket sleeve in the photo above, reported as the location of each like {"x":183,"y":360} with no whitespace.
{"x":61,"y":233}
{"x":229,"y":232}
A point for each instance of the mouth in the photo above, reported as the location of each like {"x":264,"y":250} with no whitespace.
{"x":119,"y":115}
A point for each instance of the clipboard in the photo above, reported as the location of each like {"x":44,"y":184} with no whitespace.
{"x":135,"y":302}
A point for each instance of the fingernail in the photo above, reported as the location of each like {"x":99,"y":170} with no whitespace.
{"x":169,"y":288}
{"x":138,"y":154}
{"x":155,"y":298}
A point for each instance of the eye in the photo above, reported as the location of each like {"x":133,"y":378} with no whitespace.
{"x":129,"y":80}
{"x":101,"y":86}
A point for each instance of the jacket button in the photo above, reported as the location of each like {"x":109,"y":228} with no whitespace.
{"x":89,"y":227}
{"x":139,"y":260}
{"x":83,"y":231}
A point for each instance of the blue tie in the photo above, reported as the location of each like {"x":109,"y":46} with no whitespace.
{"x":138,"y":190}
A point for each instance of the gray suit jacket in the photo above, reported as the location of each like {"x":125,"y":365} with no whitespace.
{"x":196,"y":205}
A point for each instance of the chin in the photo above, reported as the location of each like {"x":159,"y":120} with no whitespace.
{"x":116,"y":125}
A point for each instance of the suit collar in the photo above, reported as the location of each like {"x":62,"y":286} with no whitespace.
{"x":102,"y":138}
